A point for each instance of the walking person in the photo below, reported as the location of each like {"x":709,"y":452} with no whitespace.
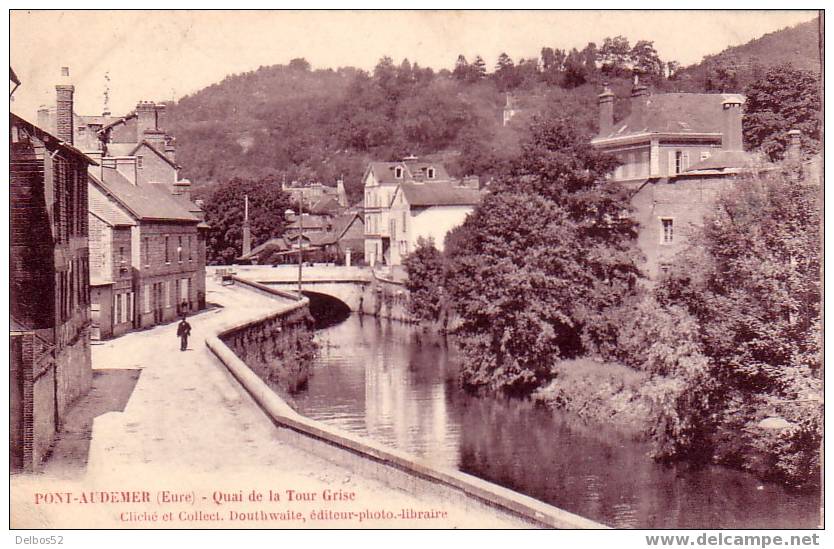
{"x":183,"y":331}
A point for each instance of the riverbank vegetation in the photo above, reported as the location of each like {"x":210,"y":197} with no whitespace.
{"x":718,"y":361}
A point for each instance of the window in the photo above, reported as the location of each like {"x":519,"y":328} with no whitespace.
{"x":398,"y":172}
{"x":393,"y":227}
{"x":146,"y":298}
{"x":117,"y":309}
{"x":430,"y":173}
{"x":179,"y":249}
{"x":166,"y":289}
{"x":667,"y":230}
{"x":139,"y":163}
{"x":404,"y":216}
{"x":147,"y":251}
{"x":167,"y":256}
{"x":124,"y":307}
{"x":130,"y":306}
{"x":190,"y":256}
{"x":680,"y":162}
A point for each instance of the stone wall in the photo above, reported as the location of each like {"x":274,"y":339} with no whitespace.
{"x":279,"y":349}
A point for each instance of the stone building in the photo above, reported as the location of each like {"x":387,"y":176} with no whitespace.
{"x":141,"y":214}
{"x":49,"y":273}
{"x":677,"y":151}
{"x":164,"y":259}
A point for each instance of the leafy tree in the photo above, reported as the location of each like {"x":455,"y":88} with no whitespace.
{"x":784,"y":99}
{"x":424,"y":267}
{"x":645,"y":60}
{"x":544,"y":254}
{"x":225,"y":212}
{"x":722,"y":75}
{"x":575,"y":72}
{"x":752,"y":280}
{"x":614,"y":55}
{"x":299,"y":64}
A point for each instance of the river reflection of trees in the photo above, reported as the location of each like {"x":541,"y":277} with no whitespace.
{"x":398,"y":385}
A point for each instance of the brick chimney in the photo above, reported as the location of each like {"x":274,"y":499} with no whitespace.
{"x":44,"y":119}
{"x":639,"y":97}
{"x":63,"y":114}
{"x":145,"y":118}
{"x":606,"y":110}
{"x":793,"y":152}
{"x":731,"y":123}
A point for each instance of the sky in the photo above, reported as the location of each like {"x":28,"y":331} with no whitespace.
{"x":161,"y":55}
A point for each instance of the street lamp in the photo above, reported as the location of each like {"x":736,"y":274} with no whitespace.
{"x":288,"y":213}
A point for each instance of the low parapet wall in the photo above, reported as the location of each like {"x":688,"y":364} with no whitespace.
{"x":374,"y":460}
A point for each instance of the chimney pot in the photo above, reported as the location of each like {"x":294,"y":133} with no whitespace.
{"x":606,"y":110}
{"x":731,"y":134}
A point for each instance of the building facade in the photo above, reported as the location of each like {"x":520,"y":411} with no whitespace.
{"x":148,"y":236}
{"x":164,"y":260}
{"x":428,"y":211}
{"x":49,"y":282}
{"x":677,"y":151}
{"x":380,"y":182}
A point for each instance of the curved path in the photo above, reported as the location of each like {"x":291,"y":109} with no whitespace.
{"x":189,"y":434}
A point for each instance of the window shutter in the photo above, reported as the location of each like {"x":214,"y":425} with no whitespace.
{"x":671,"y":163}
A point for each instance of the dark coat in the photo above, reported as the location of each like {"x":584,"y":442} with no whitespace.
{"x":184,"y":329}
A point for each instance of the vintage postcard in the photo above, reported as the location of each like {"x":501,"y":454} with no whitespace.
{"x":416,"y":270}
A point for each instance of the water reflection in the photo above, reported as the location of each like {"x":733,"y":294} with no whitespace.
{"x":391,"y":383}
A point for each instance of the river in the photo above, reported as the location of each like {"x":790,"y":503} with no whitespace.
{"x":397,"y":385}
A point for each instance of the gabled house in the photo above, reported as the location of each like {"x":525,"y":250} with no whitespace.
{"x":49,"y":273}
{"x":427,"y":210}
{"x":167,"y":254}
{"x":677,"y":151}
{"x":380,"y":181}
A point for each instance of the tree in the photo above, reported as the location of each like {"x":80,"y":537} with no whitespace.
{"x":505,"y":73}
{"x":614,"y":55}
{"x":575,"y":73}
{"x":722,"y":74}
{"x":543,"y":255}
{"x":299,"y":64}
{"x":225,"y":212}
{"x":752,"y":279}
{"x":645,"y":60}
{"x":784,"y":99}
{"x":424,"y":267}
{"x":477,"y":71}
{"x":461,"y":71}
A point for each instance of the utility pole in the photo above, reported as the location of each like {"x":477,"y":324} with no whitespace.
{"x":247,"y":233}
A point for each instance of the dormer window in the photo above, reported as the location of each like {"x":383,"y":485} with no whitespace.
{"x":430,"y":173}
{"x":139,"y":162}
{"x":398,"y":172}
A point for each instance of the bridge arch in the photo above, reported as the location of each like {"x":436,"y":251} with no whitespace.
{"x":350,"y":293}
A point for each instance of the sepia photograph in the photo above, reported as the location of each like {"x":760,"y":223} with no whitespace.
{"x":417,"y":270}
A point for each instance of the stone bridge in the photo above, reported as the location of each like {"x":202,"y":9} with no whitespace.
{"x":350,"y":285}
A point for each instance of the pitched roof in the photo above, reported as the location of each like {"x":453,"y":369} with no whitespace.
{"x":676,"y":113}
{"x":145,"y":202}
{"x":439,"y":194}
{"x":309,"y":222}
{"x":326,"y":204}
{"x":723,"y":160}
{"x":48,"y":138}
{"x":101,"y":207}
{"x":413,"y":170}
